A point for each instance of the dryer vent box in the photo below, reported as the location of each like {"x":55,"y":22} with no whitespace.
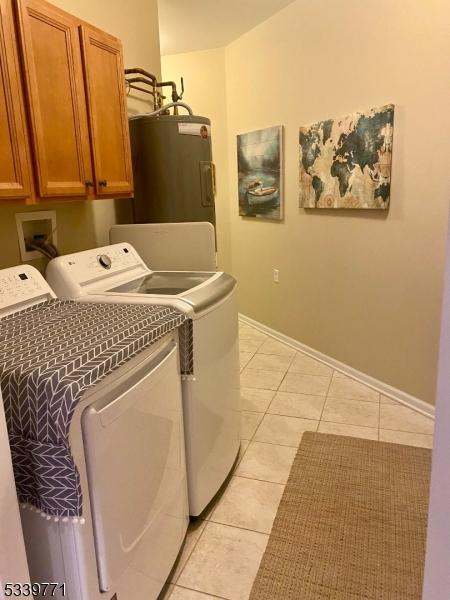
{"x":32,"y":226}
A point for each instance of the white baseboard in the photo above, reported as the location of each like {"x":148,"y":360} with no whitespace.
{"x":387,"y":390}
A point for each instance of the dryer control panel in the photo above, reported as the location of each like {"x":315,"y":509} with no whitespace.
{"x":94,"y":270}
{"x":21,"y":287}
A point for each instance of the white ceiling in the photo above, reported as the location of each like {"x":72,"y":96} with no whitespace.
{"x":189,"y":25}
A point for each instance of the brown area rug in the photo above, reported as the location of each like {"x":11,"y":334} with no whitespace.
{"x":351,"y":524}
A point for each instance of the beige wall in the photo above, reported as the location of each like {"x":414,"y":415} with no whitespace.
{"x":204,"y":80}
{"x":83,"y":225}
{"x":363,"y":287}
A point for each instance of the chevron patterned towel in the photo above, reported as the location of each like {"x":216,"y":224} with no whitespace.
{"x":49,"y":355}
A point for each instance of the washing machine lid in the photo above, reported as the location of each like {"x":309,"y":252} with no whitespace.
{"x":164,"y":282}
{"x":116,"y":273}
{"x":200,"y":290}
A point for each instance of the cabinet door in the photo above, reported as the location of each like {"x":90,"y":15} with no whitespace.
{"x":56,"y":101}
{"x":14,"y":172}
{"x":107,"y":112}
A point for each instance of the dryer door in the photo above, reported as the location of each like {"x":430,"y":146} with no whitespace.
{"x":134,"y":449}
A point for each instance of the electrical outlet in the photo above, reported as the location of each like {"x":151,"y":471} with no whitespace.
{"x":276,"y":275}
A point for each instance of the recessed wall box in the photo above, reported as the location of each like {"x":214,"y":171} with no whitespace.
{"x":32,"y":226}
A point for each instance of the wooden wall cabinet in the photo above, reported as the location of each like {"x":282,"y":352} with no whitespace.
{"x":14,"y":159}
{"x":75,"y":99}
{"x":107,"y":112}
{"x":53,"y":76}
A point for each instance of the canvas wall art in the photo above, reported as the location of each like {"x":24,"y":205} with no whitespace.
{"x":260,"y":173}
{"x":346,"y":162}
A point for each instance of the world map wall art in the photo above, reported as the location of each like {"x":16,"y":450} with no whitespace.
{"x":346,"y":162}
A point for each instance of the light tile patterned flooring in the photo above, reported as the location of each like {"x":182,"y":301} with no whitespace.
{"x":284,"y":393}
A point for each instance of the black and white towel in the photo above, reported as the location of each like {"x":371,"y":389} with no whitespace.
{"x":49,"y":355}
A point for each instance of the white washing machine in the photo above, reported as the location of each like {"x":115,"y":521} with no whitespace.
{"x":211,"y":396}
{"x":127,"y":440}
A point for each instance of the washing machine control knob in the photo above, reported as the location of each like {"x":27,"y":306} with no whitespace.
{"x":105,"y":261}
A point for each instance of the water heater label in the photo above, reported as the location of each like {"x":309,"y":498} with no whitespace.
{"x":199,"y":129}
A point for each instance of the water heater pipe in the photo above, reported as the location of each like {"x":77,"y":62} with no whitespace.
{"x":175,"y":96}
{"x":170,"y":105}
{"x":141,"y":72}
{"x":148,"y":78}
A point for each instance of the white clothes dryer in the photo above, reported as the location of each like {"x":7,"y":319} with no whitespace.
{"x":211,"y":396}
{"x":13,"y":561}
{"x":127,"y":441}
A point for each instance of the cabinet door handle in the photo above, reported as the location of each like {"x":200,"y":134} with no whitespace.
{"x":103,"y":183}
{"x":89,"y":183}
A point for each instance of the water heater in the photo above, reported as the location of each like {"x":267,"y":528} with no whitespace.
{"x":172,"y":168}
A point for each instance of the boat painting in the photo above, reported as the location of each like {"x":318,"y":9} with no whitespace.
{"x":260,"y":173}
{"x":261,"y":195}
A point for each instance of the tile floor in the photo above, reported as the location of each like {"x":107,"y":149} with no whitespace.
{"x":284,"y":393}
